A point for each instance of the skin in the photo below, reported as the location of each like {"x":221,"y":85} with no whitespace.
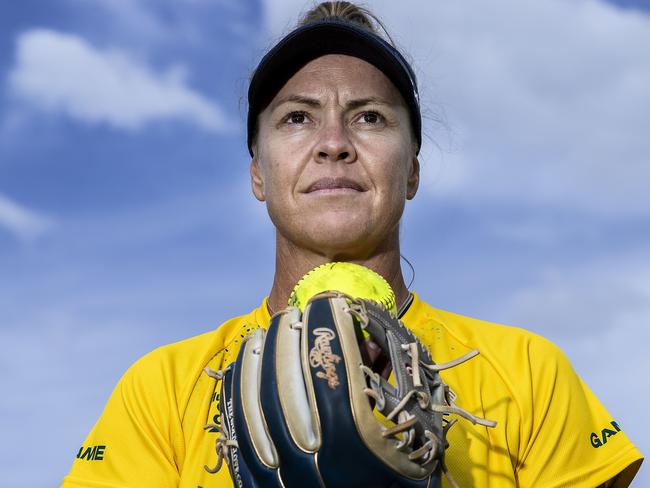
{"x":335,"y":161}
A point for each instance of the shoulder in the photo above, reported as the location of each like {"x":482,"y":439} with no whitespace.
{"x":515,"y":362}
{"x":496,"y":342}
{"x":542,"y":407}
{"x":497,"y":339}
{"x":172,"y":370}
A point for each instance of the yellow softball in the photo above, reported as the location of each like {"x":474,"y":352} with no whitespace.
{"x":349,"y":278}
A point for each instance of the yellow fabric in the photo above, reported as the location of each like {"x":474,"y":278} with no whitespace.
{"x":548,"y":421}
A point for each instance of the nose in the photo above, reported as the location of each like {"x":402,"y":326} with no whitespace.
{"x":334,"y":144}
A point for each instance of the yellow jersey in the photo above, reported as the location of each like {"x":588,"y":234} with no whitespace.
{"x":551,"y":430}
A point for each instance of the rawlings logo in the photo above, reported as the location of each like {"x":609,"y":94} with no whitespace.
{"x":321,"y":356}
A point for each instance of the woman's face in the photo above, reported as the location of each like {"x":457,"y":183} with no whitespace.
{"x":335,"y":158}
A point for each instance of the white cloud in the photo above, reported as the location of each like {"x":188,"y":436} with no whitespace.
{"x":63,"y":73}
{"x":594,"y":296}
{"x":158,"y":24}
{"x":23,"y":223}
{"x":548,"y":101}
{"x":130,"y":17}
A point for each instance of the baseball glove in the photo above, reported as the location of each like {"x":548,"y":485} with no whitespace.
{"x":304,"y":406}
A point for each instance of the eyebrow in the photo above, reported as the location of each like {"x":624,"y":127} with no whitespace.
{"x":313,"y":102}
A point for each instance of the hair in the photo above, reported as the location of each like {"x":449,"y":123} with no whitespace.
{"x":347,"y":12}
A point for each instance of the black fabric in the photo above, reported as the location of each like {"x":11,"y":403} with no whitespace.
{"x":329,"y":37}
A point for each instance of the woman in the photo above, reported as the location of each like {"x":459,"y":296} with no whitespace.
{"x":334,"y":132}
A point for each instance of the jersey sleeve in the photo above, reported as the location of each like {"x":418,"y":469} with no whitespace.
{"x":137,"y":438}
{"x":569,"y":438}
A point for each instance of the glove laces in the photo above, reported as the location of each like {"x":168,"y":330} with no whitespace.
{"x":224,"y":441}
{"x":404,"y":429}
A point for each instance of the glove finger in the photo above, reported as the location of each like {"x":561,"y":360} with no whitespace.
{"x":253,"y":462}
{"x":286,"y":405}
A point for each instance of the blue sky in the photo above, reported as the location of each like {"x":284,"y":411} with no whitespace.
{"x":126,"y":219}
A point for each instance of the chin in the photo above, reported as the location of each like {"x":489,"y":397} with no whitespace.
{"x":342,"y":239}
{"x":343,"y":233}
{"x":338,"y":225}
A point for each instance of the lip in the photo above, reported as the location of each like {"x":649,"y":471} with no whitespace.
{"x":330,"y":184}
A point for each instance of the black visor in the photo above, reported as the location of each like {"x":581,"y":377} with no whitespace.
{"x":318,"y":39}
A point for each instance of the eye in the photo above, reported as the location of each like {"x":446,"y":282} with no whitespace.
{"x":296,"y":118}
{"x":372,"y":118}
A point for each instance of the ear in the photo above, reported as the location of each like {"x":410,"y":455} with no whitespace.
{"x":257,"y":180}
{"x":413,"y":181}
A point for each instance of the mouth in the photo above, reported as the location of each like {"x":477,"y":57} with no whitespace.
{"x":334,"y":185}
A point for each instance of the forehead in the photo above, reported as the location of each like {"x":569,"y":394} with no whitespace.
{"x":347,"y":76}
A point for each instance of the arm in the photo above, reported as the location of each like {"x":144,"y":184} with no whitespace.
{"x":570,"y":438}
{"x":624,"y":478}
{"x":609,"y":483}
{"x":135,"y":441}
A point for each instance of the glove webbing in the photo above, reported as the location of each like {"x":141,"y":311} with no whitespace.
{"x":433,"y":448}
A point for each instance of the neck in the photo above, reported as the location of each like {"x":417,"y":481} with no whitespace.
{"x":292,"y":262}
